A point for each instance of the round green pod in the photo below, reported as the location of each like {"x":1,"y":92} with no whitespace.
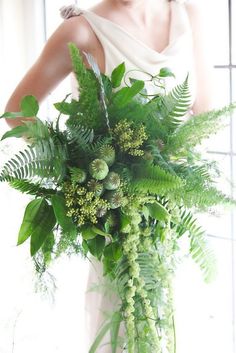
{"x":98,"y":169}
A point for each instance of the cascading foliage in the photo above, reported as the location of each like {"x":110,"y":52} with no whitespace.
{"x":121,"y":181}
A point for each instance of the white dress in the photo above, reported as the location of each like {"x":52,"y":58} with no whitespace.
{"x":120,"y":46}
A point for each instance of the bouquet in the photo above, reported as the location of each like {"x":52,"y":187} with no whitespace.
{"x":120,"y":180}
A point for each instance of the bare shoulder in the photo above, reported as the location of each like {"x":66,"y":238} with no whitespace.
{"x":77,"y":30}
{"x":197,"y":13}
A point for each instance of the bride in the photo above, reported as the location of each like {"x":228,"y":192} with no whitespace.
{"x":145,"y":34}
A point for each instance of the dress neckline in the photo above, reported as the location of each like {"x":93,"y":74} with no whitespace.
{"x":119,"y":27}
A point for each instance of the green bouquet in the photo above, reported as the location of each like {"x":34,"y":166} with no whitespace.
{"x":121,"y":180}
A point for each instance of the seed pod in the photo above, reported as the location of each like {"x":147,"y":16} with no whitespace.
{"x":78,"y":175}
{"x":101,"y":211}
{"x":95,"y":186}
{"x":112,"y":181}
{"x":115,"y":198}
{"x":98,"y":169}
{"x":107,"y":153}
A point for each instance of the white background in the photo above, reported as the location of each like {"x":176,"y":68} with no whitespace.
{"x":205,"y":314}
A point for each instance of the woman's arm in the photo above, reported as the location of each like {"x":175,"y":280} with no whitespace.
{"x":205,"y":80}
{"x":52,"y":66}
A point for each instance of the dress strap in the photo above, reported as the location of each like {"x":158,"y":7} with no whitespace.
{"x":70,"y":11}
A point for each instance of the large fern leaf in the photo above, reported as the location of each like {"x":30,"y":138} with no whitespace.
{"x":89,"y":104}
{"x":199,"y":249}
{"x":152,"y":178}
{"x":197,"y":128}
{"x":30,"y":188}
{"x":45,"y":159}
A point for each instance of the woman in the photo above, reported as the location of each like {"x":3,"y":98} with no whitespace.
{"x":147,"y":35}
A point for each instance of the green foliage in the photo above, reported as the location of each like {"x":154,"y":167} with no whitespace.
{"x":29,"y":106}
{"x":199,"y":249}
{"x":126,"y":94}
{"x":38,"y":222}
{"x":117,"y":75}
{"x":89,"y":104}
{"x":165,"y":72}
{"x":96,"y":246}
{"x":44,"y":159}
{"x":199,"y":190}
{"x":194,"y":130}
{"x":151,"y":178}
{"x":157,"y":211}
{"x":60,"y":210}
{"x":30,"y":188}
{"x":133,"y":230}
{"x":17,"y":131}
{"x":166,"y":111}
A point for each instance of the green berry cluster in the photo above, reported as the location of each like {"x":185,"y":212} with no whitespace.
{"x":130,"y":138}
{"x":83,"y":205}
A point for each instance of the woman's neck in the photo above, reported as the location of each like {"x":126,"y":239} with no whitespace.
{"x":138,"y":10}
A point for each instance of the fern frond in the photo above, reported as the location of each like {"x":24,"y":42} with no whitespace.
{"x":79,"y":134}
{"x":152,"y":178}
{"x":197,"y":128}
{"x":30,"y":188}
{"x":177,"y":103}
{"x":89,"y":104}
{"x":199,"y":249}
{"x":44,"y":159}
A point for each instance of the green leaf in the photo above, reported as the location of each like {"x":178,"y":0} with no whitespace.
{"x":145,"y":212}
{"x":96,"y":246}
{"x":43,"y":229}
{"x":125,"y":222}
{"x":114,"y":330}
{"x":99,"y":337}
{"x":101,"y":232}
{"x":17,"y":131}
{"x":88,"y":232}
{"x":166,"y":72}
{"x":117,"y":75}
{"x":34,"y":213}
{"x":85,"y":246}
{"x":125,"y":94}
{"x":67,"y":108}
{"x":11,"y":115}
{"x":29,"y":106}
{"x":60,"y":210}
{"x":157,"y":211}
{"x":113,"y":251}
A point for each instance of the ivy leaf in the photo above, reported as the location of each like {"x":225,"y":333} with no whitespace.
{"x":125,"y":94}
{"x":34,"y":213}
{"x":42,"y":229}
{"x":17,"y":131}
{"x":60,"y":210}
{"x":96,"y":246}
{"x":117,"y":75}
{"x":29,"y":106}
{"x":157,"y":211}
{"x":11,"y":115}
{"x":113,"y":251}
{"x":166,"y":72}
{"x":101,"y":232}
{"x":87,"y":232}
{"x":66,"y":108}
